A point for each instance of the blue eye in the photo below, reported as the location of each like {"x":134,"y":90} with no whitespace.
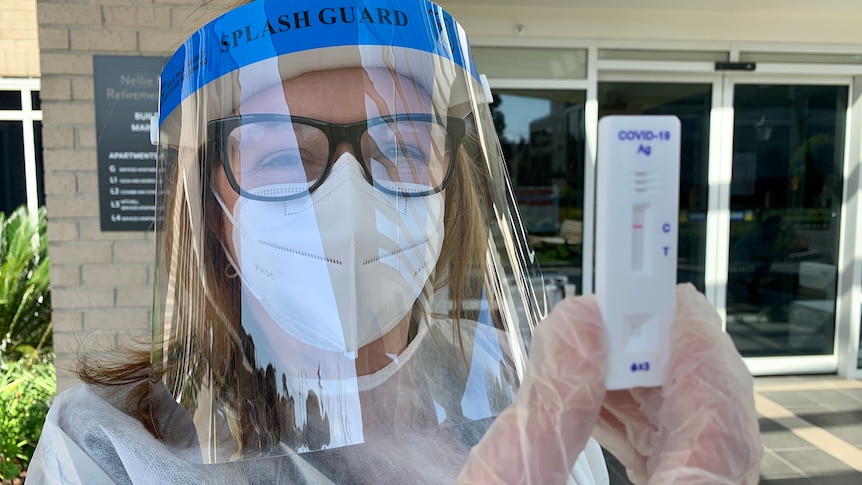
{"x":399,"y":151}
{"x":282,"y":159}
{"x":290,"y":165}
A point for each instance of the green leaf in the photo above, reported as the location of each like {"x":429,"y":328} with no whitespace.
{"x":27,"y":387}
{"x":27,"y":378}
{"x":25,"y":297}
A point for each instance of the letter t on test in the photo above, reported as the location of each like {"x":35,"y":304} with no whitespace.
{"x":637,"y":219}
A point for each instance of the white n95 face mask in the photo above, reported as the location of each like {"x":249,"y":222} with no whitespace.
{"x":340,"y":268}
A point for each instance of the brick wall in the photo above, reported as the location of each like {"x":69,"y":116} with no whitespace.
{"x":102,"y":281}
{"x":19,"y":41}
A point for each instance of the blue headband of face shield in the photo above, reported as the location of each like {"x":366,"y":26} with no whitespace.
{"x":269,"y":28}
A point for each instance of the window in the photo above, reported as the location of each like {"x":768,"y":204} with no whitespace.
{"x":531,"y":63}
{"x":21,"y":171}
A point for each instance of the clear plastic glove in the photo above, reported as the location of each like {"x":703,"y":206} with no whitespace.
{"x":701,"y":427}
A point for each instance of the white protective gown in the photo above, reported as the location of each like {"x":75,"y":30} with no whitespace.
{"x":88,"y":439}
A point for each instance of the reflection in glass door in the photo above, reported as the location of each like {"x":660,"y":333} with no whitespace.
{"x":12,"y":169}
{"x":692,"y":104}
{"x":785,"y":203}
{"x":542,"y":137}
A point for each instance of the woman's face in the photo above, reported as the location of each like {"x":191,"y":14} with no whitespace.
{"x":338,"y":96}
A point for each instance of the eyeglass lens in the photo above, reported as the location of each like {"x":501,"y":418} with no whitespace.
{"x":404,"y":155}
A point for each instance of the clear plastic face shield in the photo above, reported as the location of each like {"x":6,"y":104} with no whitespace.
{"x":342,"y":276}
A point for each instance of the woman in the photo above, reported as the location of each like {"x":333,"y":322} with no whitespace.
{"x":344,"y":289}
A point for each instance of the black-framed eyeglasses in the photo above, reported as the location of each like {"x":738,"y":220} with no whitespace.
{"x":280,"y":157}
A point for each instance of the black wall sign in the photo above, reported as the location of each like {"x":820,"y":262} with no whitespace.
{"x":127,"y":93}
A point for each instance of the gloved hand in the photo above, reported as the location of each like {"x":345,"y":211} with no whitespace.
{"x":701,"y":427}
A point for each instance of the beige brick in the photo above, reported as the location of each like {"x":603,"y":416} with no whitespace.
{"x":15,"y":62}
{"x":49,"y":204}
{"x":139,"y":17}
{"x":59,"y":230}
{"x":114,"y":275}
{"x":60,"y":184}
{"x":74,"y":112}
{"x":19,"y":5}
{"x":66,"y":320}
{"x":64,"y":160}
{"x":66,"y":380}
{"x":83,"y":298}
{"x":17,"y":17}
{"x":182,"y":2}
{"x":92,"y":231}
{"x":56,"y":88}
{"x":66,"y":219}
{"x":88,"y":183}
{"x":24,"y":30}
{"x":135,"y":297}
{"x":134,"y":252}
{"x":104,"y":40}
{"x":65,"y":275}
{"x":69,"y":13}
{"x":65,"y":343}
{"x":67,"y":63}
{"x":64,"y":366}
{"x":116,"y":320}
{"x":186,"y":20}
{"x":11,"y":35}
{"x":135,"y":338}
{"x":72,"y":207}
{"x":65,"y":363}
{"x":81,"y":253}
{"x":84,"y":343}
{"x":86,"y":137}
{"x":58,"y":136}
{"x":159,"y":43}
{"x":54,"y":38}
{"x":82,"y":89}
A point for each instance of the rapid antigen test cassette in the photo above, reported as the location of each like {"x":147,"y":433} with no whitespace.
{"x":637,"y":215}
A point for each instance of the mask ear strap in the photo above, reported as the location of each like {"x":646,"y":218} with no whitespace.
{"x":223,"y":206}
{"x":231,"y":270}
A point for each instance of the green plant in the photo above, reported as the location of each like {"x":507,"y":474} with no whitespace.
{"x":27,"y":380}
{"x":25,"y":298}
{"x":27,"y":385}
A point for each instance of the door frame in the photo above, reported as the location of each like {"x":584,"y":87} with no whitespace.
{"x":849,"y":306}
{"x":788,"y":364}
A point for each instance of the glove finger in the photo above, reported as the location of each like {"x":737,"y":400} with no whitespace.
{"x":627,"y":427}
{"x":707,"y":417}
{"x":538,"y":438}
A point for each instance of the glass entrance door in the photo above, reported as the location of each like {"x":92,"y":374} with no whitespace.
{"x":785,"y":203}
{"x":542,"y":137}
{"x":692,"y":103}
